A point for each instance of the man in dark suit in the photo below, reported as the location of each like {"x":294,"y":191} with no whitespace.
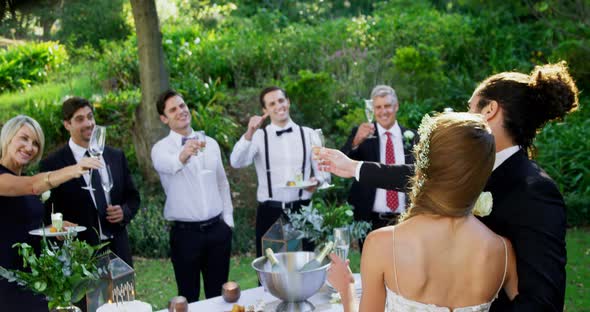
{"x":83,"y":207}
{"x":384,"y":141}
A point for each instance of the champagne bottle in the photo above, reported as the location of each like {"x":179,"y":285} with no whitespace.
{"x":317,"y":261}
{"x":275,"y":265}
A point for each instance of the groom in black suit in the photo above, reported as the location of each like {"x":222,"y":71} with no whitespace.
{"x":103,"y":222}
{"x":384,"y":141}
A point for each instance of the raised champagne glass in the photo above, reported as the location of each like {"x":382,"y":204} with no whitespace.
{"x":201,"y":137}
{"x":317,"y":142}
{"x":96,"y":148}
{"x":370,"y":113}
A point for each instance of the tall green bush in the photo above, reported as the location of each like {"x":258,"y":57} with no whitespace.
{"x":24,"y":65}
{"x":564,"y":152}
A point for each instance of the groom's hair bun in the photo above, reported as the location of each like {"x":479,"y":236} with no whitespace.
{"x":530,"y":101}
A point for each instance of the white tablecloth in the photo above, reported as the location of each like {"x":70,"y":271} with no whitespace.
{"x":320,"y":300}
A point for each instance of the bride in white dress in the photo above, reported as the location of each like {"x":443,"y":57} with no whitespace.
{"x":439,"y":257}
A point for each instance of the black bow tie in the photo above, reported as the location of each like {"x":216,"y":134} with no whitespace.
{"x":280,"y":132}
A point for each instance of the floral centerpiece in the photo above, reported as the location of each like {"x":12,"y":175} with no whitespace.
{"x":63,"y":271}
{"x":318,"y":220}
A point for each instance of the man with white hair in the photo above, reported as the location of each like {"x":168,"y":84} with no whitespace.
{"x":383,"y":141}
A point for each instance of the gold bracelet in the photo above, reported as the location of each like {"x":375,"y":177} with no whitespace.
{"x":47,"y":180}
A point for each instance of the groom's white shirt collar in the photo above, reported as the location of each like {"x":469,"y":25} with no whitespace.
{"x":504,"y":154}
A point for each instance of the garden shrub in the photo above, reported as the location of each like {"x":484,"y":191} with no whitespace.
{"x":564,"y":152}
{"x":148,"y":231}
{"x":89,"y":22}
{"x":24,"y":65}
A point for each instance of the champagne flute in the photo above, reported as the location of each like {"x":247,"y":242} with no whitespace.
{"x":96,"y":148}
{"x":202,"y":139}
{"x":317,"y":142}
{"x":106,"y":179}
{"x":342,"y":242}
{"x":370,"y":113}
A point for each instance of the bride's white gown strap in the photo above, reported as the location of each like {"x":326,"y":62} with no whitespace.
{"x":396,"y":301}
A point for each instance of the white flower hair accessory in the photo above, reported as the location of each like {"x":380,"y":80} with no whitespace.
{"x":422,"y":158}
{"x":483,"y":205}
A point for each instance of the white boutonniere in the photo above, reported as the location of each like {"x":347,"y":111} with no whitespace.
{"x":408,"y":137}
{"x":45,"y":196}
{"x":483,"y":205}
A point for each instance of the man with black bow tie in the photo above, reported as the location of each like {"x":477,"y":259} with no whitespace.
{"x":280,"y":152}
{"x":198,"y":201}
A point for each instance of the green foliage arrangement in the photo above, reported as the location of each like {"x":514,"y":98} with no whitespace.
{"x":24,"y":65}
{"x":318,"y":220}
{"x":63,"y":272}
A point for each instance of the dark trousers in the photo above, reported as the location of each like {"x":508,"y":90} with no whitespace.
{"x":268,"y":213}
{"x":200,"y":248}
{"x":379,"y":220}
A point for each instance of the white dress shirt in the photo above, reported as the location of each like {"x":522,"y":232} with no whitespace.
{"x":197,"y":190}
{"x":380,"y":204}
{"x":286,"y":159}
{"x":79,"y":153}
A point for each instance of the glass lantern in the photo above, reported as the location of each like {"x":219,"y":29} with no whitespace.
{"x":281,"y":237}
{"x":116,"y":283}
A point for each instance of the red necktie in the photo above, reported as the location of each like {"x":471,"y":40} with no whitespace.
{"x":391,"y":196}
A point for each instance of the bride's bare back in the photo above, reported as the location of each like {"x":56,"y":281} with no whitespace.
{"x":449,"y":262}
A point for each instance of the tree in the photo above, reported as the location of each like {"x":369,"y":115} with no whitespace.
{"x":154,"y":80}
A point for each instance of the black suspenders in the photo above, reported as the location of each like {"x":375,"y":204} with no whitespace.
{"x":267,"y":160}
{"x":303,"y":164}
{"x":267,"y":163}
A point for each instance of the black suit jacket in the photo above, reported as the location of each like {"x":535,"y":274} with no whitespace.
{"x":77,"y":206}
{"x":361,"y":196}
{"x":529,"y":210}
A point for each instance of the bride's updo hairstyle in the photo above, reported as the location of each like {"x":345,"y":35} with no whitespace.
{"x":454,"y":160}
{"x":530,"y":101}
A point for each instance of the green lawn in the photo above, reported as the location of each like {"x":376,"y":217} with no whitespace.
{"x":155,"y":277}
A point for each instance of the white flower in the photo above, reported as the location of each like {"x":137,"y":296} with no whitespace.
{"x":408,"y":135}
{"x":168,"y":41}
{"x":483,"y":205}
{"x":45,"y":196}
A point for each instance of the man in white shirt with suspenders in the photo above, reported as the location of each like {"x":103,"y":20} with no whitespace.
{"x":280,"y":151}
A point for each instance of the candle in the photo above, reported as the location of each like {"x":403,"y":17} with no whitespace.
{"x":230,"y":291}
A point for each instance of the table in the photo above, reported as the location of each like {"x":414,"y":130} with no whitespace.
{"x":252,"y":296}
